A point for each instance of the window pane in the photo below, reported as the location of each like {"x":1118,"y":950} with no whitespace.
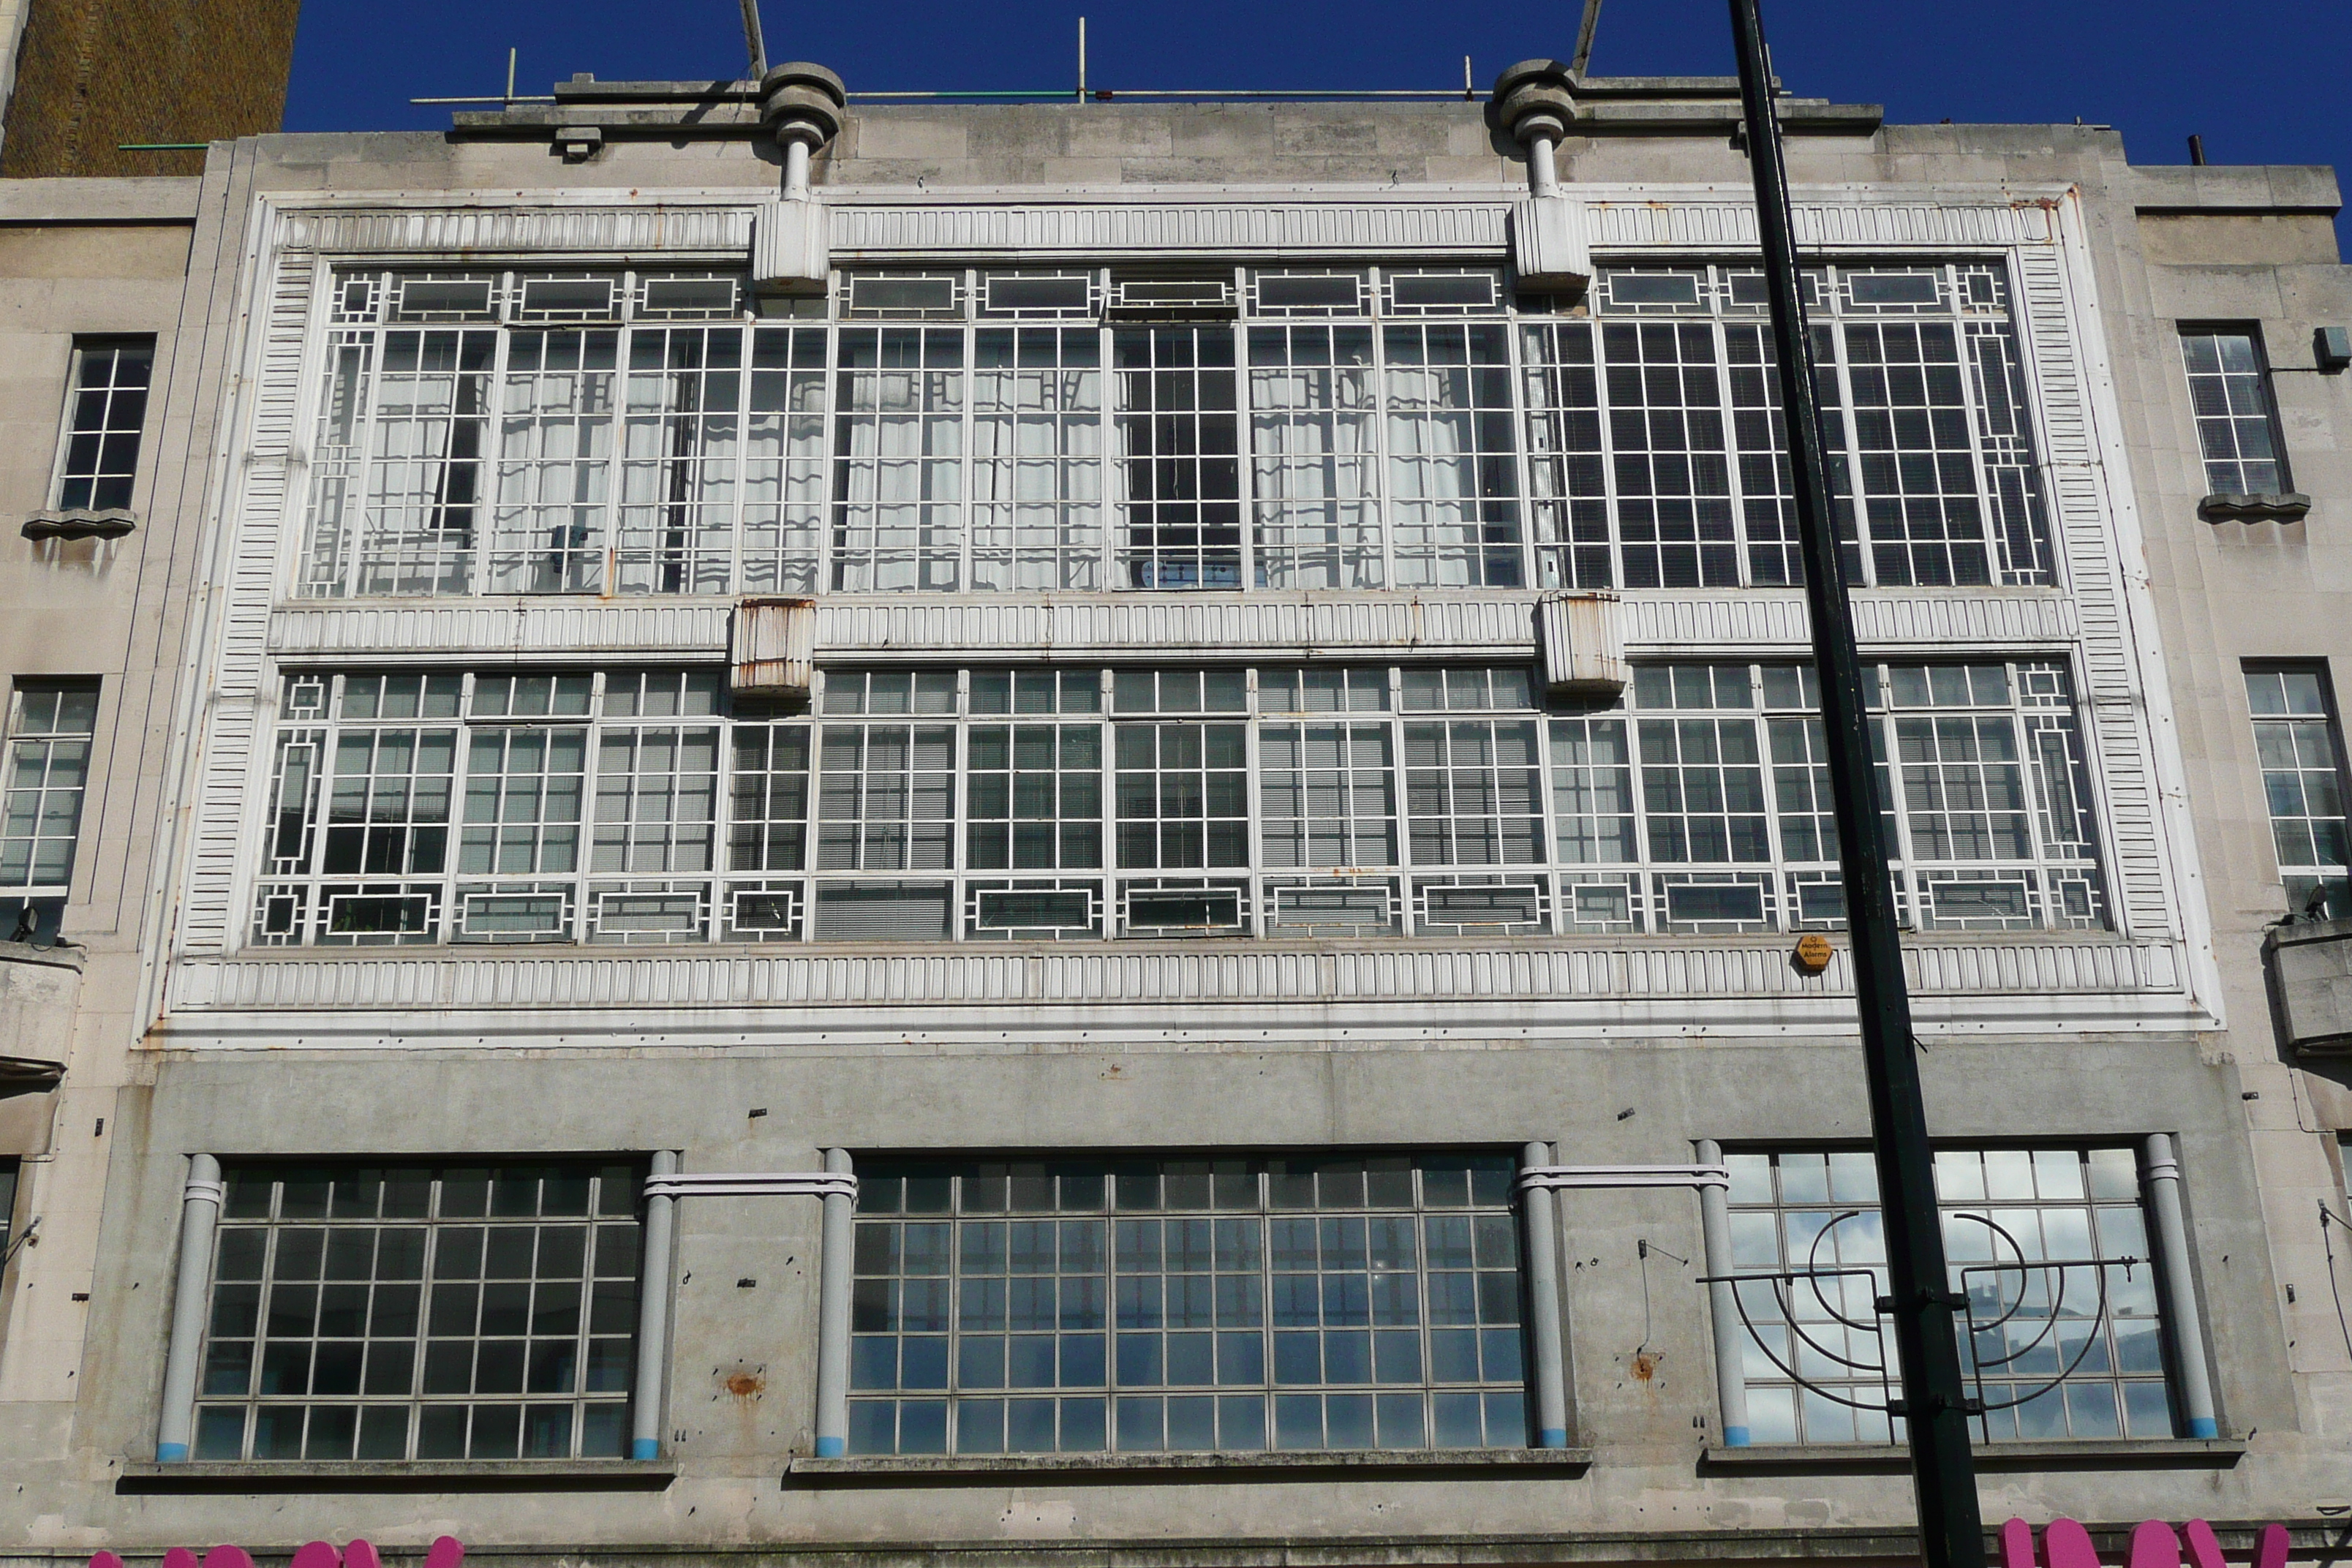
{"x":543,"y":1303}
{"x":1308,"y":1275}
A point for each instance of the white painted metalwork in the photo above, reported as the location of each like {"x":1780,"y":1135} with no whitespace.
{"x":1565,"y":1177}
{"x":751,"y":1184}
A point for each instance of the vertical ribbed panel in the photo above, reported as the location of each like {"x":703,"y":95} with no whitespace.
{"x":2086,"y":542}
{"x":260,"y":509}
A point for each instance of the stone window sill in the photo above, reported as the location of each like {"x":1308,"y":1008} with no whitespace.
{"x":395,"y":1476}
{"x":917,"y":1468}
{"x":2289,"y":507}
{"x":80,"y":522}
{"x":2092,"y":1454}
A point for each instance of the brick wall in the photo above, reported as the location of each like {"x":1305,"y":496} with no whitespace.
{"x":92,"y":74}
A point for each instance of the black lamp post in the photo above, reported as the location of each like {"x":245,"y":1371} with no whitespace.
{"x":1934,"y":1405}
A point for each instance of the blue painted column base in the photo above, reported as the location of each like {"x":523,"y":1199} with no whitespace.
{"x":1734,"y":1436}
{"x":1552,"y":1438}
{"x":832,"y":1447}
{"x":644,"y":1448}
{"x":173,"y":1453}
{"x":2204,"y":1427}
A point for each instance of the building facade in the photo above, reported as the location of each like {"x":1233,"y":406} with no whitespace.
{"x":133,"y":88}
{"x":1079,"y":826}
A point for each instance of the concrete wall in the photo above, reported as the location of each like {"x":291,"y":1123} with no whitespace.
{"x":1262,"y":1075}
{"x":2213,"y":245}
{"x":82,"y":257}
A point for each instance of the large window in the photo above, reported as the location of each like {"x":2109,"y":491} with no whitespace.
{"x":1267,"y":429}
{"x":639,"y":806}
{"x":52,"y":725}
{"x":2047,"y":1247}
{"x":481,"y":1311}
{"x":2237,"y":418}
{"x":1339,"y":1302}
{"x":2298,"y":746}
{"x":106,"y":410}
{"x":1657,"y":457}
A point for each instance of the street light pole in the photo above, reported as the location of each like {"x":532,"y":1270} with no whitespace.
{"x":1934,"y":1404}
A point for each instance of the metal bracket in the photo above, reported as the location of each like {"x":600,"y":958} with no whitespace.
{"x":750,"y":1184}
{"x":1562,"y":1177}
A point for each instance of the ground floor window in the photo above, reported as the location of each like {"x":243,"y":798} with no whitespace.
{"x":2062,"y":1334}
{"x":474,"y":1311}
{"x":1338,"y":1303}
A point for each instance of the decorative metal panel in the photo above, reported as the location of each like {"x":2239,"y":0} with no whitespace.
{"x":1099,"y":228}
{"x":1110,"y":975}
{"x":629,"y":229}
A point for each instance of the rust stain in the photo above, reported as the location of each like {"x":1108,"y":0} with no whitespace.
{"x":1645,"y":1366}
{"x":744,"y":1385}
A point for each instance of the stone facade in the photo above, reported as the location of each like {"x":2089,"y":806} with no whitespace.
{"x":709,"y":1055}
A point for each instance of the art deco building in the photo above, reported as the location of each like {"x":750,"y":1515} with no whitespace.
{"x":1019,"y":832}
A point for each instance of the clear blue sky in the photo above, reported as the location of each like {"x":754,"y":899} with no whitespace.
{"x":2262,"y":82}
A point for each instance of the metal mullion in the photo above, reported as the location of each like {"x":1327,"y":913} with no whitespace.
{"x":1848,"y":441}
{"x":959,"y":776}
{"x":2044,"y":863}
{"x":1743,"y":564}
{"x":1245,"y":456}
{"x":1380,"y":497}
{"x":1904,"y":867}
{"x":370,"y":391}
{"x":1777,"y":862}
{"x":1106,"y":812}
{"x":1972,"y":408}
{"x":1253,"y":804}
{"x":1408,"y":924}
{"x":1106,"y":460}
{"x":1605,"y":418}
{"x":1545,"y":868}
{"x":967,"y":460}
{"x":480,"y":578}
{"x":1522,"y":465}
{"x":820,"y":568}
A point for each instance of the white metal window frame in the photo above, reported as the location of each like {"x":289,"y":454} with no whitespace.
{"x":1521,"y":561}
{"x":1726,"y":298}
{"x":1533,"y":890}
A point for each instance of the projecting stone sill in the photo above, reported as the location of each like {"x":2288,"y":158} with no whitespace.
{"x":2089,"y":1454}
{"x":907,"y":1469}
{"x":396,"y":1476}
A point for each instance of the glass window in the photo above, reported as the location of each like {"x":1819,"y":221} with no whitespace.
{"x":2061,"y":1335}
{"x":484,"y":1311}
{"x":1657,"y":456}
{"x":2237,"y":418}
{"x":1453,"y":476}
{"x":1179,"y":456}
{"x":2303,"y":772}
{"x":1315,"y":458}
{"x":899,"y":460}
{"x":1037,"y":449}
{"x":106,"y":410}
{"x":1334,"y":800}
{"x":1335,"y":1302}
{"x":52,"y":726}
{"x":550,"y":522}
{"x":969,"y":428}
